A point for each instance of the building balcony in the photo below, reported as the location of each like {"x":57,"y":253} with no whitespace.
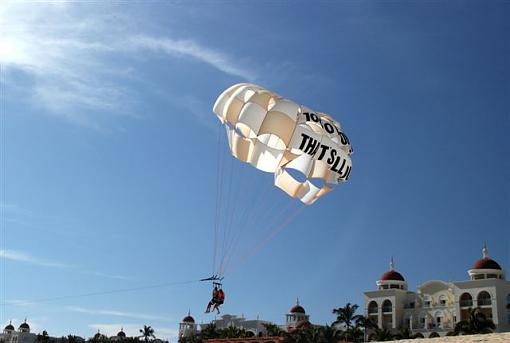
{"x":484,"y":302}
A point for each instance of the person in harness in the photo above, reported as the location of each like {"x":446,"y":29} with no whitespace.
{"x":219,"y":300}
{"x":213,"y":300}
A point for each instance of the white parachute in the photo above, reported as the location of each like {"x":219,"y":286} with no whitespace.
{"x":306,"y":150}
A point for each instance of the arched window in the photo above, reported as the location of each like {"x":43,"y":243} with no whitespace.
{"x":423,"y":320}
{"x":484,"y":298}
{"x":466,"y":300}
{"x":372,"y":307}
{"x":438,"y":317}
{"x":387,"y":306}
{"x":443,"y":299}
{"x":427,"y":300}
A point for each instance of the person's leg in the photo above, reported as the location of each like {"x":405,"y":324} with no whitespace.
{"x":208,"y":309}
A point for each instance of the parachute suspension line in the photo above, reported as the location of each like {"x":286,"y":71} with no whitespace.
{"x":261,"y":222}
{"x":249,"y":215}
{"x":219,"y":183}
{"x":234,"y":227}
{"x":226,"y":205}
{"x":239,"y":224}
{"x":258,"y":217}
{"x":268,"y":238}
{"x":229,"y":217}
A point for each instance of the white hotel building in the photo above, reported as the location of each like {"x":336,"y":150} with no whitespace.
{"x":437,"y":306}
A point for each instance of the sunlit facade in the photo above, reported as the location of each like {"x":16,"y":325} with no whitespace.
{"x":437,"y":306}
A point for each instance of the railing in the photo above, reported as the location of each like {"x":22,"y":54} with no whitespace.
{"x":465,"y":303}
{"x":482,"y":302}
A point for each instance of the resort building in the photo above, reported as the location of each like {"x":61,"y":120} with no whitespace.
{"x":437,"y":306}
{"x":294,"y":319}
{"x":22,"y":335}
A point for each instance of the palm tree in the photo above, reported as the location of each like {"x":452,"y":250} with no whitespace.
{"x":209,"y":331}
{"x":232,"y":332}
{"x":382,"y":335}
{"x":365,"y":324}
{"x":346,"y":315}
{"x":147,"y":333}
{"x":477,"y":322}
{"x":330,"y":334}
{"x":272,"y":330}
{"x":404,"y":333}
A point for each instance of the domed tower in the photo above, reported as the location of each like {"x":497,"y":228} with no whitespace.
{"x":392,"y":279}
{"x":187,"y":327}
{"x":121,"y":334}
{"x":486,"y":268}
{"x":296,"y":317}
{"x":9,"y":328}
{"x":24,"y":327}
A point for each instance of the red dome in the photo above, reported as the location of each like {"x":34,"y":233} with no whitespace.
{"x":297,"y":309}
{"x":188,"y":319}
{"x":486,"y":263}
{"x":392,"y":275}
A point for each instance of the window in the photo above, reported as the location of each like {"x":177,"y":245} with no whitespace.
{"x":478,"y":277}
{"x":387,"y":306}
{"x":372,"y":307}
{"x":466,"y":300}
{"x":484,"y":298}
{"x":492,"y":276}
{"x":442,"y":300}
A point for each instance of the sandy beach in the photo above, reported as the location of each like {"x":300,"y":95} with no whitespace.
{"x":489,"y":338}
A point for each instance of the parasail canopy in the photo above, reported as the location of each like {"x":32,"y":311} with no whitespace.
{"x":306,"y":150}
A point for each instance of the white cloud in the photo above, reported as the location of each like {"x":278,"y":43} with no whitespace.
{"x":190,"y":48}
{"x":20,"y":256}
{"x":72,"y":58}
{"x":115,"y":313}
{"x":19,"y":302}
{"x":24,"y":257}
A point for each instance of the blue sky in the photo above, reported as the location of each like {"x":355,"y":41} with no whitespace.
{"x":110,"y":154}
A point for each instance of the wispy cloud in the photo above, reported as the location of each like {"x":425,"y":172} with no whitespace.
{"x":73,"y":59}
{"x":132,"y":330}
{"x":24,"y":257}
{"x":190,"y":48}
{"x":19,"y":302}
{"x":115,"y":313}
{"x":20,"y":256}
